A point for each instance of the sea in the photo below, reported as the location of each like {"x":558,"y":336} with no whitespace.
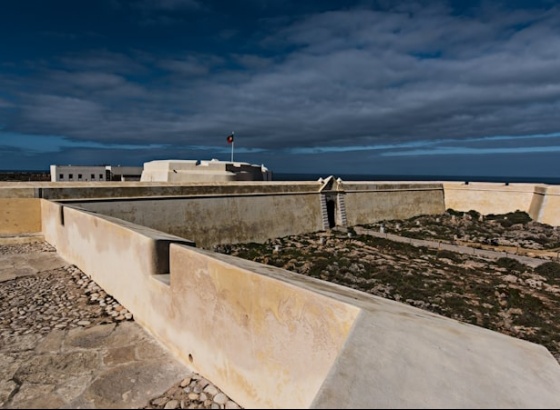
{"x":398,"y":178}
{"x":279,"y":176}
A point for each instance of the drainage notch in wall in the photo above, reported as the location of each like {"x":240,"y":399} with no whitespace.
{"x":62,"y":215}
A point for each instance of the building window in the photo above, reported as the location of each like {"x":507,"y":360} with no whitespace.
{"x":60,"y":176}
{"x":71,"y":176}
{"x":79,"y":176}
{"x":92,"y":176}
{"x":100,"y":176}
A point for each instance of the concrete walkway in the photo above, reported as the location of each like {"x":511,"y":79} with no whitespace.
{"x":105,"y":366}
{"x":58,"y":349}
{"x":482,"y":253}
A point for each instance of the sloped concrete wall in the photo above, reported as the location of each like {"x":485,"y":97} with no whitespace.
{"x":211,"y":220}
{"x":368,"y":202}
{"x":549,"y":211}
{"x":254,"y":330}
{"x":20,"y":216}
{"x":122,"y":258}
{"x":488,"y":198}
{"x":401,"y":357}
{"x":257,"y":334}
{"x":271,"y":338}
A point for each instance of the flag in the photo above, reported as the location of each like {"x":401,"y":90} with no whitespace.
{"x":230,"y":138}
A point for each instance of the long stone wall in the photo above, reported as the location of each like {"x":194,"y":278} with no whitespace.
{"x":246,"y":326}
{"x":541,"y":202}
{"x":368,"y":202}
{"x":242,"y":212}
{"x":488,"y":198}
{"x":212,"y":220}
{"x":271,"y":338}
{"x":20,"y":216}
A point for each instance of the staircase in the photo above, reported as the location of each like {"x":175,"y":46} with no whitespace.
{"x":324,"y":213}
{"x":341,"y":206}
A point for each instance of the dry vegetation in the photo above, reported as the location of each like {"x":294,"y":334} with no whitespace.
{"x":502,"y":294}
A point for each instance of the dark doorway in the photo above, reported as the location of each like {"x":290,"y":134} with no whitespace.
{"x":330,"y":213}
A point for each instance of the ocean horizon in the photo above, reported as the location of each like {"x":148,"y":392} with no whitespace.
{"x":398,"y":178}
{"x":285,"y":176}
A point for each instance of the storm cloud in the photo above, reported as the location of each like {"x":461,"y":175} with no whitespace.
{"x":356,"y":79}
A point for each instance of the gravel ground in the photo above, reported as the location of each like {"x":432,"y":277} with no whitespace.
{"x":65,"y":299}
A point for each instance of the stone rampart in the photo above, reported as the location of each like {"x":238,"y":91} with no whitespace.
{"x":271,"y":338}
{"x":489,"y":198}
{"x":20,"y":216}
{"x":368,"y":202}
{"x":216,"y":219}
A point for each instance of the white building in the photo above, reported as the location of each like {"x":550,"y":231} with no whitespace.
{"x":77,"y":173}
{"x":203,"y":171}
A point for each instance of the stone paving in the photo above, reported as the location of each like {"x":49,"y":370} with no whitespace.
{"x":65,"y":343}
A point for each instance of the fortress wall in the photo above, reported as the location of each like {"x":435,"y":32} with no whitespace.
{"x":244,"y":211}
{"x":126,"y":260}
{"x":368,"y":202}
{"x":489,"y":198}
{"x":19,"y":190}
{"x":250,"y":328}
{"x":20,"y":216}
{"x":211,"y":220}
{"x":262,"y":334}
{"x":271,"y":338}
{"x":549,"y":212}
{"x":96,"y":190}
{"x":121,"y":257}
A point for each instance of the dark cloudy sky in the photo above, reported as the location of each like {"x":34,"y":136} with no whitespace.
{"x":335,"y":87}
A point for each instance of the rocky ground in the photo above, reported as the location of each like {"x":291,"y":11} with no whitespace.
{"x":63,"y":307}
{"x":501,"y":294}
{"x":57,"y":299}
{"x":514,"y":230}
{"x":63,"y":339}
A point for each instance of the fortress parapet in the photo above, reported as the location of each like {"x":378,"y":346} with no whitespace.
{"x":203,"y":171}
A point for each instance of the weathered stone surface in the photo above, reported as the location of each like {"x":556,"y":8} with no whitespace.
{"x":141,"y":379}
{"x":7,"y":388}
{"x":52,"y":343}
{"x":118,"y":355}
{"x":48,"y":360}
{"x":36,"y":396}
{"x":19,"y":265}
{"x":55,"y":368}
{"x":8,"y":367}
{"x":71,"y":388}
{"x":92,"y":337}
{"x":150,"y":349}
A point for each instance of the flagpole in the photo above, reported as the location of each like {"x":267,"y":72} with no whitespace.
{"x":232,"y":144}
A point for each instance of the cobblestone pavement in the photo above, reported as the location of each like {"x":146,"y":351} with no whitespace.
{"x":65,"y":343}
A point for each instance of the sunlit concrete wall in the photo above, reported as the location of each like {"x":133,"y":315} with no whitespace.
{"x":267,"y":341}
{"x":20,"y":216}
{"x":242,"y":212}
{"x":109,"y":249}
{"x":211,"y":220}
{"x":259,"y":330}
{"x":368,"y":202}
{"x":489,"y":198}
{"x":549,"y":210}
{"x":271,"y":338}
